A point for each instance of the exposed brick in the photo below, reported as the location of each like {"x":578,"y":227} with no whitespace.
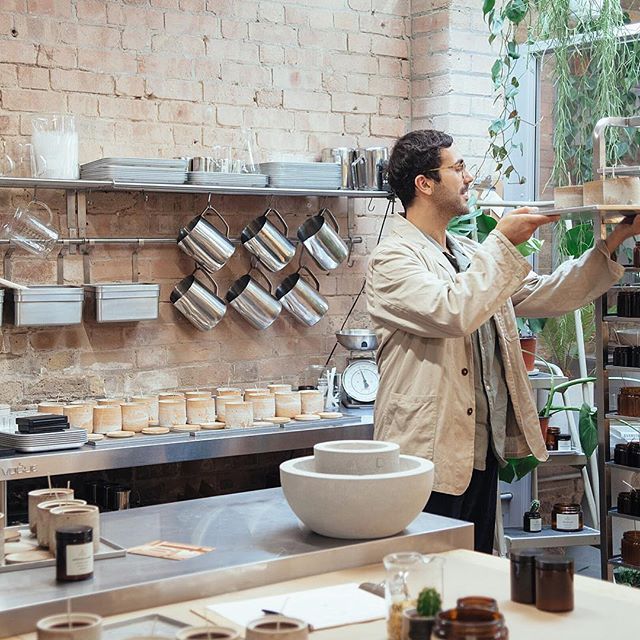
{"x":57,"y":8}
{"x":328,"y":40}
{"x":348,"y":102}
{"x":174,"y":89}
{"x":81,"y":81}
{"x":384,"y":46}
{"x":91,"y":11}
{"x":18,"y":52}
{"x":306,"y":100}
{"x":33,"y":78}
{"x":32,"y":100}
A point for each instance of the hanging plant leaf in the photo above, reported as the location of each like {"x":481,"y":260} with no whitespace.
{"x":512,"y":50}
{"x":488,"y":6}
{"x":588,"y":429}
{"x":578,"y":239}
{"x":516,"y":10}
{"x":518,"y":468}
{"x":495,"y":72}
{"x":497,"y":126}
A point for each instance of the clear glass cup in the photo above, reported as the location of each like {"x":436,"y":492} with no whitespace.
{"x":55,"y":138}
{"x":7,"y":165}
{"x":221,"y":158}
{"x":30,"y":228}
{"x":407,"y":574}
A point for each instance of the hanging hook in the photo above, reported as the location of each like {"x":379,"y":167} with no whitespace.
{"x":209,"y":199}
{"x":370,"y":206}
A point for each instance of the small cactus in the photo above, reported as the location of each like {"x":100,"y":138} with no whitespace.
{"x":535,"y":506}
{"x":429,"y":603}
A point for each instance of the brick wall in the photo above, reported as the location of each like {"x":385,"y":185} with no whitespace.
{"x":173,"y":77}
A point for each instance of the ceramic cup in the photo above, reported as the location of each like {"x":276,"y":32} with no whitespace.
{"x":84,"y":626}
{"x":172,"y":412}
{"x":201,"y":409}
{"x":43,"y":517}
{"x":312,"y":401}
{"x":288,"y":404}
{"x":43,"y":495}
{"x":264,"y":406}
{"x":238,"y":415}
{"x":152,"y":406}
{"x":79,"y":415}
{"x":135,"y":416}
{"x":275,"y":627}
{"x":107,"y":418}
{"x":51,"y":407}
{"x":72,"y":515}
{"x":221,"y":401}
{"x":207,"y":633}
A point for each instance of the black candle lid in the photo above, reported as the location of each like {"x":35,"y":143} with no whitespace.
{"x":558,"y":563}
{"x":74,"y":535}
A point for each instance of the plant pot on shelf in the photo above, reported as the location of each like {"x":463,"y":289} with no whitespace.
{"x":567,"y":197}
{"x":415,"y":626}
{"x":622,"y":190}
{"x":528,"y":346}
{"x":544,"y":425}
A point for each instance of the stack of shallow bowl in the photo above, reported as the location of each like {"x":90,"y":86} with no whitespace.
{"x":357,"y":489}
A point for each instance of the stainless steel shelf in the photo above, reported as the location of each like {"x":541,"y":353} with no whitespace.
{"x":621,"y":320}
{"x":614,"y":513}
{"x":548,"y":538}
{"x":570,"y":458}
{"x":616,"y":561}
{"x":111,"y":185}
{"x":606,"y":212}
{"x":623,"y":467}
{"x":545,"y":380}
{"x":615,"y":367}
{"x":617,"y":416}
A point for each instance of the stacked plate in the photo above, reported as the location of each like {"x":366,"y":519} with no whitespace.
{"x":303,"y":175}
{"x":32,"y":442}
{"x":217,"y":179}
{"x":148,"y":170}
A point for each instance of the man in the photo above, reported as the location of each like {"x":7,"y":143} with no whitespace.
{"x":453,"y":386}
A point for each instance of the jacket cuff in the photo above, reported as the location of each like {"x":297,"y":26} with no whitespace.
{"x":616,"y":270}
{"x":522,"y":265}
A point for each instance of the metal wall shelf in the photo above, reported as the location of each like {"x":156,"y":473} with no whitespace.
{"x":549,"y":538}
{"x":621,"y":320}
{"x":112,"y":185}
{"x":622,"y":467}
{"x":626,"y":516}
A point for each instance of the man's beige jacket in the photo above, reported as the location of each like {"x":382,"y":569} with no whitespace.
{"x":424,"y":314}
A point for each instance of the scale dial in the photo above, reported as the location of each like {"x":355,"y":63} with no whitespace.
{"x":360,"y":380}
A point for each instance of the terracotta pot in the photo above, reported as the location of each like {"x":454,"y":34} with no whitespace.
{"x":544,"y":424}
{"x":528,"y":346}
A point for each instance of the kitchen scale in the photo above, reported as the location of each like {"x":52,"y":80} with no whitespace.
{"x":360,"y":379}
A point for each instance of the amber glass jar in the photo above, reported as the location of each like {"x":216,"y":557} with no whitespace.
{"x":477,"y":602}
{"x":551,"y":441}
{"x":470,"y":624}
{"x":631,"y":547}
{"x":624,"y":502}
{"x":523,"y":575}
{"x":620,"y":454}
{"x":74,"y":553}
{"x":554,"y":583}
{"x":567,"y":517}
{"x":633,"y":454}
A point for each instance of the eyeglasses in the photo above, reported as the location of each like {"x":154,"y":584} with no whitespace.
{"x":460,"y":167}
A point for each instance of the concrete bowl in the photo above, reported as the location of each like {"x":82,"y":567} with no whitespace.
{"x":356,"y":457}
{"x":357,"y":507}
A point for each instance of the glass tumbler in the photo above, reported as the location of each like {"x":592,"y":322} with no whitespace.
{"x":407,"y":574}
{"x":30,"y":228}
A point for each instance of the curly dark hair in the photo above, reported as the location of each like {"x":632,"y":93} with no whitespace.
{"x":416,"y":153}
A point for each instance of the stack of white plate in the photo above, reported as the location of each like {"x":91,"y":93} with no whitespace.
{"x":147,"y":170}
{"x":31,"y":442}
{"x":217,"y":179}
{"x":303,"y":175}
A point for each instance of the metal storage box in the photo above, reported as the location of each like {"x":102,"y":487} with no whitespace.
{"x":122,"y":301}
{"x":45,"y":305}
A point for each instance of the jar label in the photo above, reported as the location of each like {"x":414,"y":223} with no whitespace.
{"x":535,"y":525}
{"x":564,"y":445}
{"x":79,"y":559}
{"x":567,"y":521}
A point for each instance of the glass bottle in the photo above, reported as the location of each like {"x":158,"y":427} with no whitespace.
{"x":470,"y":624}
{"x":74,"y":553}
{"x":407,"y":573}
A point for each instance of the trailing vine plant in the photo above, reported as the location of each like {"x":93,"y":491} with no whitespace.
{"x":592,"y":78}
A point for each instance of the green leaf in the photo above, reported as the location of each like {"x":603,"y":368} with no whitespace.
{"x":516,"y":10}
{"x":578,"y":239}
{"x":513,"y":50}
{"x":531,"y":246}
{"x":495,"y":72}
{"x":588,"y":429}
{"x":485,"y":225}
{"x":488,"y":6}
{"x":511,"y":92}
{"x":496,"y":25}
{"x":507,"y":473}
{"x":497,"y":126}
{"x":518,"y":468}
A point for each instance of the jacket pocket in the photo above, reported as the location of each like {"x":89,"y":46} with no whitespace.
{"x":411,"y":422}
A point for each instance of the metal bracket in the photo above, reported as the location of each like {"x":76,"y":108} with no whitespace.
{"x":135,"y":272}
{"x":72,"y":218}
{"x":86,"y":260}
{"x":60,"y":262}
{"x":7,"y":262}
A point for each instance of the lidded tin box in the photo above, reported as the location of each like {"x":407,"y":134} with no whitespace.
{"x":45,"y":305}
{"x":122,"y":301}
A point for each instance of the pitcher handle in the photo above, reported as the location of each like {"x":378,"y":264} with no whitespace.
{"x":285,"y":226}
{"x":45,"y":207}
{"x":307,"y":270}
{"x":254,"y":267}
{"x":336,"y":226}
{"x":224,"y":222}
{"x":208,"y":276}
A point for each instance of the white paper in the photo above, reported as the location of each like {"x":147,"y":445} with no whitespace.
{"x":321,"y":608}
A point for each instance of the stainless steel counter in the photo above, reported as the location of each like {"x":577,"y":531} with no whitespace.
{"x":236,"y":442}
{"x":257,"y":541}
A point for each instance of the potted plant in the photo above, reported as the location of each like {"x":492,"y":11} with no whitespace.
{"x":518,"y":468}
{"x":417,"y":623}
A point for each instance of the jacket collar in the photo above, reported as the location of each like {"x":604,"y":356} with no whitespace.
{"x":407,"y":230}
